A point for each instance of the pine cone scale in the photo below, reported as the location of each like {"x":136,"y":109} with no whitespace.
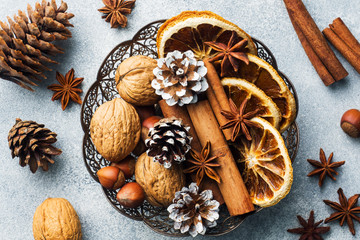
{"x":32,"y":35}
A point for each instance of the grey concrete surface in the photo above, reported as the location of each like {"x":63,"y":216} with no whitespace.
{"x":320,"y":111}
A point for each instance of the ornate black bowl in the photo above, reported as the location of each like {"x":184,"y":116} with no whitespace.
{"x":104,"y":89}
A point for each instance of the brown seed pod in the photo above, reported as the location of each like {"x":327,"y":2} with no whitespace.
{"x":131,"y":195}
{"x":127,"y":166}
{"x":133,"y":80}
{"x":350,"y":123}
{"x":111,"y":177}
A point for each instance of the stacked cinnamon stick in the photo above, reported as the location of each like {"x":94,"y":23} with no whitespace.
{"x":344,"y":41}
{"x":316,"y":47}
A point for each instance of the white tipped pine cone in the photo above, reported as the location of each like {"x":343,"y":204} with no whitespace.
{"x":179,"y":78}
{"x":194,"y":212}
{"x":168,"y":141}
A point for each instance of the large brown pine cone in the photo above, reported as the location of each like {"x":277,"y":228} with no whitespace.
{"x":25,"y":43}
{"x":31,"y":142}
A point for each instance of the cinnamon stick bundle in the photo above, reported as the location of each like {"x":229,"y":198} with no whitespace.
{"x":232,"y":187}
{"x":342,"y":39}
{"x":320,"y":68}
{"x":316,"y":40}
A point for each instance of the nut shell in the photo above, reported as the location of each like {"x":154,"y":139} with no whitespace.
{"x":127,"y":166}
{"x":160,"y":184}
{"x":350,"y":123}
{"x":131,"y":195}
{"x":56,"y":218}
{"x":111,"y":177}
{"x":115,"y":129}
{"x":133,"y":80}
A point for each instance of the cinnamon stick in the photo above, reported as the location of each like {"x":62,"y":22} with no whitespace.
{"x":343,"y":48}
{"x":217,"y":97}
{"x":320,"y":68}
{"x":181,"y":112}
{"x":339,"y":27}
{"x":317,"y":41}
{"x":231,"y":186}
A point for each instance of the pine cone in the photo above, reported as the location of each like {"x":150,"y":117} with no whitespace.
{"x":31,"y":142}
{"x":179,"y":78}
{"x":168,"y":141}
{"x":26,"y":42}
{"x":192,"y":211}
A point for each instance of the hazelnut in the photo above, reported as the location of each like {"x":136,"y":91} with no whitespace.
{"x":147,"y":124}
{"x":350,"y":123}
{"x":131,"y":195}
{"x":111,"y":177}
{"x":127,"y":166}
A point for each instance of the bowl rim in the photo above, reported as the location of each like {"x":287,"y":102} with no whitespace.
{"x":86,"y":130}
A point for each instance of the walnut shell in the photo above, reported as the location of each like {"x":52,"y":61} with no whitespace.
{"x":133,"y":80}
{"x":160,"y":184}
{"x":115,"y":129}
{"x":56,"y":219}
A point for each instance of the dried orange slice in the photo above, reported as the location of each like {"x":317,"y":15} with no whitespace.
{"x":268,"y":172}
{"x":191,"y":29}
{"x":265,"y":77}
{"x":239,"y":89}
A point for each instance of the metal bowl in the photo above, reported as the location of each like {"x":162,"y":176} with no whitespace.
{"x":104,"y":89}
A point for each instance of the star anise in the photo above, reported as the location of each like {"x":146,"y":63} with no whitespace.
{"x":115,"y":11}
{"x":229,"y":54}
{"x":324,"y":167}
{"x":346,"y":210}
{"x":66,"y":90}
{"x":203,"y":164}
{"x":309,"y":230}
{"x":238,"y":120}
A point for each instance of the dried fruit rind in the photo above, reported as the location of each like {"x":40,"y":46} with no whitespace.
{"x":199,"y":27}
{"x":265,"y":77}
{"x":268,"y":173}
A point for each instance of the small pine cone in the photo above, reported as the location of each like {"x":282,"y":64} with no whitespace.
{"x":168,"y":141}
{"x":179,"y":78}
{"x":25,"y":43}
{"x":193,"y":211}
{"x":31,"y":142}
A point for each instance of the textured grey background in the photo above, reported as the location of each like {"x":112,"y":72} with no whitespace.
{"x":320,"y":112}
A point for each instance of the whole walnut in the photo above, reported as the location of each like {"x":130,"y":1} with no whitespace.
{"x":56,"y":219}
{"x":133,"y":80}
{"x":160,"y":184}
{"x":115,"y":129}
